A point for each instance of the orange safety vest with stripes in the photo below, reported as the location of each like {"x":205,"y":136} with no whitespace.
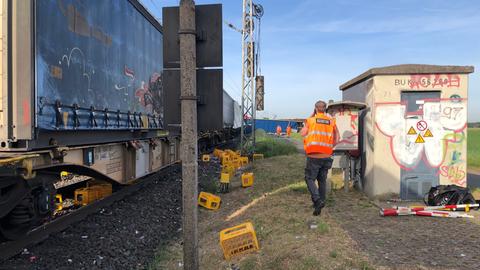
{"x":320,"y":136}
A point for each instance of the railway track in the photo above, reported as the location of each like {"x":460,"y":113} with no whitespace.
{"x":11,"y":248}
{"x":40,"y":233}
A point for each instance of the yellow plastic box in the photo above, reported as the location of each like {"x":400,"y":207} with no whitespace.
{"x":257,"y":156}
{"x":230,"y":152}
{"x":58,"y":202}
{"x":236,"y":163}
{"x":209,"y":200}
{"x":243,"y":161}
{"x":225,"y":177}
{"x":89,"y":194}
{"x":230,"y":169}
{"x":247,"y":179}
{"x":225,"y":158}
{"x":205,"y":158}
{"x":217,"y":153}
{"x":238,"y":240}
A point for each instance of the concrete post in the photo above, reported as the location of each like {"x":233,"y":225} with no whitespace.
{"x":188,"y":85}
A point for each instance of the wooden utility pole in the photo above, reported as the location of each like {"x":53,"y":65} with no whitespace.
{"x":188,"y":86}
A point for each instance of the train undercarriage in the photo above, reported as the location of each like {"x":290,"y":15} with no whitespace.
{"x":29,"y":181}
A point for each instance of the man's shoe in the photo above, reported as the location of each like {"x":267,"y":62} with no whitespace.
{"x":318,"y":207}
{"x":317,"y":211}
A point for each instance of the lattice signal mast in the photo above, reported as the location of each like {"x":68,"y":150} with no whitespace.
{"x":252,"y":14}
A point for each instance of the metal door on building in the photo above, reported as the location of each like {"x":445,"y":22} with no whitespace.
{"x":416,"y":181}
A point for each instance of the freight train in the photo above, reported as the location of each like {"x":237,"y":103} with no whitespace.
{"x":82,"y":92}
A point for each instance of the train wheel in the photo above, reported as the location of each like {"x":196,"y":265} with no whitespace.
{"x":18,"y":222}
{"x":12,"y":190}
{"x":35,"y":206}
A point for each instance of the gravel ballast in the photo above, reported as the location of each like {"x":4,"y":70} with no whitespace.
{"x":124,"y":235}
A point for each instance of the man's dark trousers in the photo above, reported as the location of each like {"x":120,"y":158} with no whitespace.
{"x":317,"y":169}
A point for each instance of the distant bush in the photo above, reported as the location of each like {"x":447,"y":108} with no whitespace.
{"x":260,"y":134}
{"x":270,"y":147}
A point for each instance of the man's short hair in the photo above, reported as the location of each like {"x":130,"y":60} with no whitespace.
{"x":320,"y":106}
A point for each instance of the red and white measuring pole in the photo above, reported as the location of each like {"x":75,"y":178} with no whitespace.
{"x":405,"y":211}
{"x":451,"y":207}
{"x":441,"y":214}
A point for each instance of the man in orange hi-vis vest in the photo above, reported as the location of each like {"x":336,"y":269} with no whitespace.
{"x":320,"y":136}
{"x":289,"y":130}
{"x":279,"y":130}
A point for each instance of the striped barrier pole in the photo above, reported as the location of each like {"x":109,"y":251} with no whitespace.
{"x":430,"y":213}
{"x":441,"y":214}
{"x":452,"y":207}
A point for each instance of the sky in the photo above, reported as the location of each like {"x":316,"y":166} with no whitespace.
{"x":310,"y":47}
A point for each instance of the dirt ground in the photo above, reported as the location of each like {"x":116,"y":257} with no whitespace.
{"x":350,"y":234}
{"x":408,"y":241}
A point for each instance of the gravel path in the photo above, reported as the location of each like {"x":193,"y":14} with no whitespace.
{"x":122,"y":236}
{"x":411,"y":242}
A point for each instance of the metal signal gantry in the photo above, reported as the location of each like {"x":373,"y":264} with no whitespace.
{"x":251,"y":14}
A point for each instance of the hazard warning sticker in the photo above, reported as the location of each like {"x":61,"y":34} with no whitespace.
{"x":411,"y":131}
{"x":419,"y":139}
{"x":428,"y":133}
{"x":422,"y":125}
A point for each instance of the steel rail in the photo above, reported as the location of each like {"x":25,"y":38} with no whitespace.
{"x":11,"y":248}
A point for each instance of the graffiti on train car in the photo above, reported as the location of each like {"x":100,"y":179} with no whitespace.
{"x":90,"y":59}
{"x":436,"y":135}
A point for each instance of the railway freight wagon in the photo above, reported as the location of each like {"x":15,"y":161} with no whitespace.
{"x":82,"y":91}
{"x":231,"y":122}
{"x":413,"y":132}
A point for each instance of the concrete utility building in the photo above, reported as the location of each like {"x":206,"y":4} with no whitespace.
{"x":414,"y":133}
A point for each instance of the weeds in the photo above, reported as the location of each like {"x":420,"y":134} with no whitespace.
{"x":473,"y":144}
{"x":249,"y":263}
{"x":365,"y":266}
{"x":333,"y":254}
{"x":300,"y":187}
{"x":162,"y":254}
{"x":323,"y":227}
{"x":329,"y":201}
{"x":310,"y":263}
{"x":271,"y":146}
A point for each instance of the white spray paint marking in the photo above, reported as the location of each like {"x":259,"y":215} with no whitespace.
{"x":68,"y":58}
{"x":443,"y":118}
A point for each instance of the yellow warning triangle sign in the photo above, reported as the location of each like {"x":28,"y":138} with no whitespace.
{"x":411,"y":131}
{"x":428,"y":133}
{"x":419,"y":139}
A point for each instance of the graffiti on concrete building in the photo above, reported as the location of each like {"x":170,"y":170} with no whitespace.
{"x":425,"y":81}
{"x":347,"y":124}
{"x":434,"y":134}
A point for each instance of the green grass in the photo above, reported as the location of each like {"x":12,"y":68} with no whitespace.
{"x":473,"y":151}
{"x":296,"y":136}
{"x":323,"y":227}
{"x":270,"y":146}
{"x":162,"y":255}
